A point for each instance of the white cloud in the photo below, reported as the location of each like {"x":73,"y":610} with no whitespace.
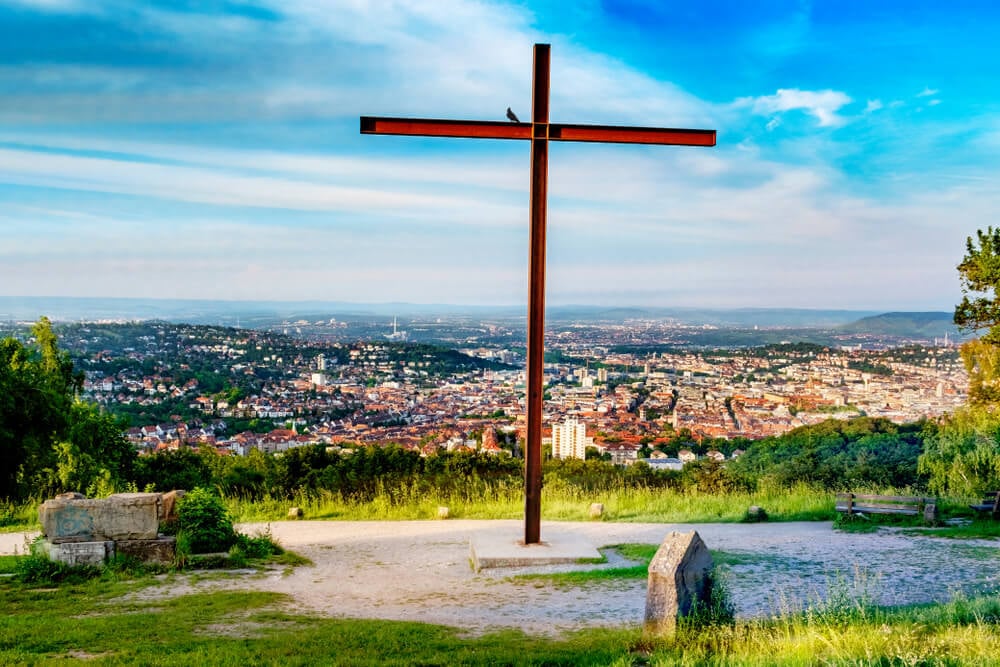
{"x":65,"y":6}
{"x":214,"y":186}
{"x":822,"y":105}
{"x":928,"y":92}
{"x":873,"y":105}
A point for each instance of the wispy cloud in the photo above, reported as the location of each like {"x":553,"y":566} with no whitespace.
{"x":213,"y":151}
{"x":823,"y":105}
{"x":928,"y":92}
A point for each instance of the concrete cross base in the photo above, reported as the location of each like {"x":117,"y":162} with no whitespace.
{"x":492,"y":551}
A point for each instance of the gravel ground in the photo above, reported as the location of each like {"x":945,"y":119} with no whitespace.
{"x":420,"y":571}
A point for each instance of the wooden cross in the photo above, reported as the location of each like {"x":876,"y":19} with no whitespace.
{"x":540,"y":132}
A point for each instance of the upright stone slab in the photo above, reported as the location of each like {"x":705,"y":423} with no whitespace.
{"x":168,"y":504}
{"x":679,"y":579}
{"x":124,"y":516}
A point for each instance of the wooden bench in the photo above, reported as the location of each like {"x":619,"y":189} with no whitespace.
{"x":855,"y":503}
{"x":991,"y":504}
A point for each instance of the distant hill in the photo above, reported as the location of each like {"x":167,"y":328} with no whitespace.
{"x":268,"y":313}
{"x":907,"y":325}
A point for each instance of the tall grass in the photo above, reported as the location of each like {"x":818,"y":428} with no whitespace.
{"x":18,"y":516}
{"x":560,"y":501}
{"x":961,"y":632}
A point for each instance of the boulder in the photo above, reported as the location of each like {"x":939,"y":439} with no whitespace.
{"x":596,"y":510}
{"x":124,"y":516}
{"x":679,"y":581}
{"x":295,"y":512}
{"x":443,"y":512}
{"x":168,"y":504}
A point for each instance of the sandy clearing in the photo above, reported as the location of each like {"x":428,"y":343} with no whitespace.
{"x":419,"y":571}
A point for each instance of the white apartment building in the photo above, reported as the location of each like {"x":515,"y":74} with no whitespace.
{"x":569,"y":439}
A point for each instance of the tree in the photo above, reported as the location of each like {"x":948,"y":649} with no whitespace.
{"x":50,"y":441}
{"x":982,"y":362}
{"x":980,"y":274}
{"x":963,"y":457}
{"x":95,"y":452}
{"x":30,"y":412}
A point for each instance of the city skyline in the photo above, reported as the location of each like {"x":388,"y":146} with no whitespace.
{"x":183,"y":151}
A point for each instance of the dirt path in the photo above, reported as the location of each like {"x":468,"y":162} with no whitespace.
{"x":419,"y":571}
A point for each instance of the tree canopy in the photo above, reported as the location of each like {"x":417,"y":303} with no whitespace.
{"x":980,"y":277}
{"x":49,"y":440}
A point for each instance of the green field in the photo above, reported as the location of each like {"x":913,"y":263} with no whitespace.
{"x":560,"y":502}
{"x":104,"y":622}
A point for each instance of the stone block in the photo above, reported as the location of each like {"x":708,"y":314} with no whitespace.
{"x":295,"y":513}
{"x":168,"y":504}
{"x":160,"y":550}
{"x":80,"y":553}
{"x":124,"y":516}
{"x":930,"y":513}
{"x":679,"y":581}
{"x":443,"y":512}
{"x":596,"y":510}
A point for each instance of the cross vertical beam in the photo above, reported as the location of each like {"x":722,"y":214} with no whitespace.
{"x":536,"y":294}
{"x":540,"y":132}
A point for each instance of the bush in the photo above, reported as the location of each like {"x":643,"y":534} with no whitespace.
{"x":755,"y":514}
{"x":258,"y":546}
{"x":203,"y":524}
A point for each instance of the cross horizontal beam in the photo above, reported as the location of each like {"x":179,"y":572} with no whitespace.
{"x":479,"y":129}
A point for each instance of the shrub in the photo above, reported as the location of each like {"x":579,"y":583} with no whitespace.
{"x":203,"y":524}
{"x":754,"y":514}
{"x":258,"y":546}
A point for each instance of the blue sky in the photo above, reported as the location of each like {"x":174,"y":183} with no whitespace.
{"x":211,"y":150}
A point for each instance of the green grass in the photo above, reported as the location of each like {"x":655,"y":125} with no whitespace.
{"x":16,"y":517}
{"x":560,"y":502}
{"x":246,"y":628}
{"x":8,"y":564}
{"x":978,"y":529}
{"x":92,"y":620}
{"x":643,"y":554}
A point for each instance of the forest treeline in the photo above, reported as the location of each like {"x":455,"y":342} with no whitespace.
{"x":50,"y":441}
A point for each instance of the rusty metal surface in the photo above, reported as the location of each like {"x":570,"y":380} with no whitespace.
{"x":539,"y":131}
{"x":434,"y":127}
{"x":631,"y":135}
{"x":536,"y":295}
{"x":484,"y":129}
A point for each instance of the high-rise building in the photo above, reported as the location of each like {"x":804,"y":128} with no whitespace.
{"x":569,"y":439}
{"x":320,"y":362}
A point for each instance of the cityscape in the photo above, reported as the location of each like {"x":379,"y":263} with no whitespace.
{"x":294,"y":383}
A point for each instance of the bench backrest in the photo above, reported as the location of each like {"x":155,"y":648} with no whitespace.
{"x":849,"y":501}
